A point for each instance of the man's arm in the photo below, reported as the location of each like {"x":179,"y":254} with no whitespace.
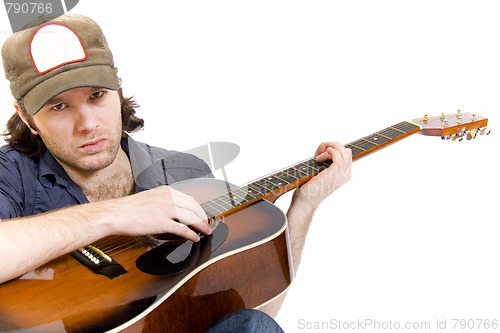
{"x":27,"y":243}
{"x":307,"y":198}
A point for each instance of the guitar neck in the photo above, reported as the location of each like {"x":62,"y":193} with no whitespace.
{"x":292,"y":177}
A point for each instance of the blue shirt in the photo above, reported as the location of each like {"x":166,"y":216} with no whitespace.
{"x":29,"y":187}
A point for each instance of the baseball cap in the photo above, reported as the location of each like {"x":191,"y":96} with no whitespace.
{"x":65,"y":53}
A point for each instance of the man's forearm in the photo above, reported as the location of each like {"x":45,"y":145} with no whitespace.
{"x":299,"y":217}
{"x":27,"y":243}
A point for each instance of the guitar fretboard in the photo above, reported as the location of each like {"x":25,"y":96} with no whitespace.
{"x":382,"y":138}
{"x":295,"y":175}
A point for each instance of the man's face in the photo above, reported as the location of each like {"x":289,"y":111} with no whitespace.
{"x":82,"y":128}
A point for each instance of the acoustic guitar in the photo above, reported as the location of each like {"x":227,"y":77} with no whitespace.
{"x":161,"y":283}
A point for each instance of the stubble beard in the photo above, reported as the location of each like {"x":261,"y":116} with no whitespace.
{"x":83,"y":162}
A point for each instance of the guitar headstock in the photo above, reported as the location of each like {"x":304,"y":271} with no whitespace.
{"x":456,"y":127}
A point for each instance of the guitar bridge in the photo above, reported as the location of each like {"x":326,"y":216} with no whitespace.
{"x":98,"y":262}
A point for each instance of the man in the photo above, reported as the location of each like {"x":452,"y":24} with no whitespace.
{"x":69,"y":147}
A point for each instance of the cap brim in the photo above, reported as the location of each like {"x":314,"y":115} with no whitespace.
{"x":100,"y":76}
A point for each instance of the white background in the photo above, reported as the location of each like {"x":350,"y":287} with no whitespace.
{"x":414,"y":236}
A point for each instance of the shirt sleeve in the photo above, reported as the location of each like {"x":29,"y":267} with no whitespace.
{"x":11,"y":196}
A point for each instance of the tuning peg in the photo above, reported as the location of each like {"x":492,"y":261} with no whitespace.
{"x":458,"y":137}
{"x":472,"y":134}
{"x":484,"y":131}
{"x":447,"y":137}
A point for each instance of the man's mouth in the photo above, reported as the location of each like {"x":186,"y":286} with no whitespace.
{"x":93,"y":146}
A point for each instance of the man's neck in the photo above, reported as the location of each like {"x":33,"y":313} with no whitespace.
{"x":115,"y":181}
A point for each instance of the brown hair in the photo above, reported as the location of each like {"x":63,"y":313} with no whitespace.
{"x":20,"y":137}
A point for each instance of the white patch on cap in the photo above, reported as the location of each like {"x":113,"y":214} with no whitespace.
{"x":54,"y":45}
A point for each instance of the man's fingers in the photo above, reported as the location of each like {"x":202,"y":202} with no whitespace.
{"x":182,"y":230}
{"x":334,"y":151}
{"x":183,"y":201}
{"x":188,"y":217}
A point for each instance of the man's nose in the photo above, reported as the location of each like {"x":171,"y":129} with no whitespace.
{"x":86,"y":121}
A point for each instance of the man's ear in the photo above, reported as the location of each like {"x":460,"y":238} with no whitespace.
{"x":24,"y":116}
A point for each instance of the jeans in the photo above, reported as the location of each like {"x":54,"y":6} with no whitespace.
{"x":246,"y":321}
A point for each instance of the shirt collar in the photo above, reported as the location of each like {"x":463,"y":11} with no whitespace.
{"x":51,"y":172}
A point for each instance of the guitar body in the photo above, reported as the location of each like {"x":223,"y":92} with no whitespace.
{"x":251,"y":267}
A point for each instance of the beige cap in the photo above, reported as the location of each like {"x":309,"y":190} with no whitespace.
{"x":65,"y":53}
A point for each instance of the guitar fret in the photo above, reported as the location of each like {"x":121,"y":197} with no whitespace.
{"x":268,"y":186}
{"x":407,"y":126}
{"x":286,"y":177}
{"x":317,"y":166}
{"x":377,"y":138}
{"x":298,"y":170}
{"x":288,"y":173}
{"x":310,"y":170}
{"x":355,"y":150}
{"x":275,"y":181}
{"x":207,"y":207}
{"x":214,"y":206}
{"x":398,"y":130}
{"x":391,"y":133}
{"x":252,"y":188}
{"x":364,"y":145}
{"x":307,"y":169}
{"x":402,"y":125}
{"x":373,"y":143}
{"x":367,"y":144}
{"x":220,"y":203}
{"x":260,"y":187}
{"x":354,"y":146}
{"x":210,"y":210}
{"x":238,"y":192}
{"x":252,"y":193}
{"x":376,"y":133}
{"x":281,"y":184}
{"x":224,"y":201}
{"x":241,"y":192}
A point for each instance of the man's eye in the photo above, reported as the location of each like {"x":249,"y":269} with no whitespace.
{"x":97,"y":94}
{"x":58,"y":107}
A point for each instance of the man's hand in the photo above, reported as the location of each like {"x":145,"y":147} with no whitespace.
{"x":329,"y":180}
{"x":160,"y":210}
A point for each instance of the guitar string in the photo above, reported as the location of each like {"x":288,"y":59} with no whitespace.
{"x":116,"y":242}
